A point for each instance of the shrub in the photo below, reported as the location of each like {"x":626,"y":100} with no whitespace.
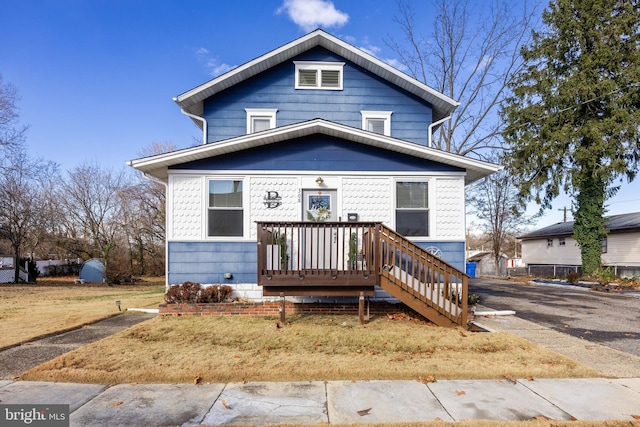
{"x":573,"y":277}
{"x":215,"y":293}
{"x":188,"y":292}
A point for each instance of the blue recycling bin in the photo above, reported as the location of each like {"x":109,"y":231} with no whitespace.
{"x":471,"y":269}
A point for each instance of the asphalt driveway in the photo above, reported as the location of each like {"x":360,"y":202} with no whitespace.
{"x":610,"y":319}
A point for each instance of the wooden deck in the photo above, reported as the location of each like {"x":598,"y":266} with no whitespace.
{"x":351,"y":259}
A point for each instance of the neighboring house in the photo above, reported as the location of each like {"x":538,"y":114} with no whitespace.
{"x":315,"y":131}
{"x":486,"y":264}
{"x":552,"y":251}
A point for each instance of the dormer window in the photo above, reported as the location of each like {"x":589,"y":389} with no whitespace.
{"x":319,"y":75}
{"x":259,"y":119}
{"x":377,"y":121}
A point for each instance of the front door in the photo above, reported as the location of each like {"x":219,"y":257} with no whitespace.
{"x":320,"y":205}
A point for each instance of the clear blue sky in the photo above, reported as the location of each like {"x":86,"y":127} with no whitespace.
{"x":97,"y":77}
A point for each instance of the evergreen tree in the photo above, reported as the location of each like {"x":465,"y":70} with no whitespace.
{"x":573,"y":120}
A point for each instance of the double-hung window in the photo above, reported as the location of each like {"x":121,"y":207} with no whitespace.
{"x":412,"y":208}
{"x":377,"y":121}
{"x":259,"y":119}
{"x":319,"y":75}
{"x":225,"y":213}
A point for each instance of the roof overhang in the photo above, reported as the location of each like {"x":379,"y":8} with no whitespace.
{"x":157,"y":166}
{"x":192,"y":101}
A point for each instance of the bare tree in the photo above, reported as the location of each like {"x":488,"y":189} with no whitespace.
{"x":10,"y":133}
{"x":93,"y":222}
{"x":23,"y":206}
{"x":146,"y":212}
{"x":495,"y":202}
{"x":470,"y":56}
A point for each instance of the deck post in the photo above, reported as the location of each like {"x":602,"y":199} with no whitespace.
{"x":361,"y":308}
{"x":282,"y":309}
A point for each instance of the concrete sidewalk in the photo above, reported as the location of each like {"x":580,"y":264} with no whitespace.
{"x":333,"y":402}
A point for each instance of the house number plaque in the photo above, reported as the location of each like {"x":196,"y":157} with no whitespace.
{"x":272,"y":199}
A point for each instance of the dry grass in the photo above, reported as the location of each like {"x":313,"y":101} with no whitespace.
{"x":29,"y":311}
{"x":235,"y":349}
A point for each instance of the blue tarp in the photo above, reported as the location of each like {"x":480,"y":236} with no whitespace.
{"x":92,"y":271}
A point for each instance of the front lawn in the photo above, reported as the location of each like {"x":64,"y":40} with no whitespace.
{"x":318,"y":347}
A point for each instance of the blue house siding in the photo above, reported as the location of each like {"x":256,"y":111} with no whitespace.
{"x":206,"y":262}
{"x":318,"y":152}
{"x":452,"y":252}
{"x":226,"y":116}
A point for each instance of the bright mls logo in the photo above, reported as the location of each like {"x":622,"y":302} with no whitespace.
{"x":34,"y":415}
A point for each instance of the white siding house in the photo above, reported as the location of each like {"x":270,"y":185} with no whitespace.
{"x":553,"y":248}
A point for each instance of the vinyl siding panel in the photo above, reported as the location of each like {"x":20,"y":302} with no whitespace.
{"x":622,"y":249}
{"x":274,"y":88}
{"x":206,"y":262}
{"x":536,"y":252}
{"x":321,"y":153}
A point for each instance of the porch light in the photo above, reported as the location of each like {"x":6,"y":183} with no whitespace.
{"x":319,"y":180}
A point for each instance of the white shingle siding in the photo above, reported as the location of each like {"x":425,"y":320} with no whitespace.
{"x":186,"y":205}
{"x":449,"y":209}
{"x":369,"y":197}
{"x":287,"y":188}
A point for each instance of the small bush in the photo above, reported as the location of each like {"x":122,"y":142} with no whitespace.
{"x":216,"y":293}
{"x":188,"y":292}
{"x":573,"y":277}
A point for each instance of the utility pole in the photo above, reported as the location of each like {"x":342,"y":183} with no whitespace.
{"x":565,"y":213}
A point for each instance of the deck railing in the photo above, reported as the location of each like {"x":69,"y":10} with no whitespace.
{"x":317,"y":253}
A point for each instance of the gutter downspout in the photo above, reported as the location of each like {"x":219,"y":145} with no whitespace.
{"x":204,"y":124}
{"x":432,"y":125}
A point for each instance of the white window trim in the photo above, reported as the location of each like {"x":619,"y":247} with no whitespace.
{"x":246,"y":223}
{"x":318,"y":66}
{"x":431,"y":226}
{"x":260,"y":112}
{"x":379,"y":115}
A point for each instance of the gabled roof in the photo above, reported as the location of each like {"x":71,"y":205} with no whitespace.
{"x":192,"y":101}
{"x":617,"y":223}
{"x":156,"y":166}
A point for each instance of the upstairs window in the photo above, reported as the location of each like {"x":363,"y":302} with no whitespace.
{"x":412,"y":208}
{"x":319,"y":75}
{"x":259,"y":119}
{"x":225,"y":213}
{"x":561,"y":241}
{"x":377,"y":121}
{"x":549,"y":243}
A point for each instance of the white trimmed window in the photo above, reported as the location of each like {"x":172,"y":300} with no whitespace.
{"x":259,"y":119}
{"x":412,"y":208}
{"x":319,"y":75}
{"x":377,"y":121}
{"x":225,"y":216}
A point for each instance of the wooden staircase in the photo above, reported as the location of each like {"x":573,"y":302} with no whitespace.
{"x":422,"y":281}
